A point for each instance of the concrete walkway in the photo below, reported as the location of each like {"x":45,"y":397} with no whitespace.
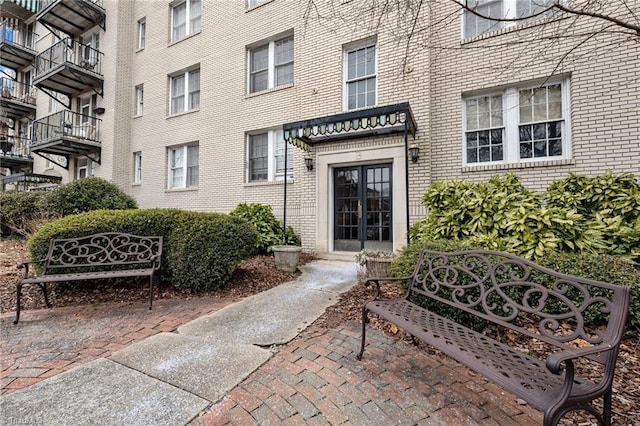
{"x":259,"y":361}
{"x":169,"y":378}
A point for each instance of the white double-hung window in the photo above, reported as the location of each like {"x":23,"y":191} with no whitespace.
{"x":360,"y":77}
{"x":183,"y":166}
{"x":488,"y":15}
{"x":271,"y":65}
{"x":185,"y":18}
{"x":265,"y":156}
{"x":139,"y":100}
{"x":142,"y":33}
{"x":137,"y":167}
{"x":185,"y":91}
{"x":517,"y":125}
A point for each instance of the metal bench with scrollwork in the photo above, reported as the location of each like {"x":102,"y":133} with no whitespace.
{"x":97,"y":256}
{"x":520,"y":297}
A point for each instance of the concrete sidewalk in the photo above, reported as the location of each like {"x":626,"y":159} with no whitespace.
{"x":254,"y":362}
{"x":169,"y":378}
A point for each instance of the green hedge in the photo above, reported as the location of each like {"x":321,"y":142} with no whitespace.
{"x":200,"y":250}
{"x":598,"y":267}
{"x":84,"y":195}
{"x":21,"y":212}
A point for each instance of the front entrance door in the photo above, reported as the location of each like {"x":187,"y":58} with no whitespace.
{"x":362,"y":208}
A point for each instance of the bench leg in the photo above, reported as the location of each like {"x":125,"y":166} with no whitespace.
{"x":365,"y":319}
{"x":18,"y":297}
{"x":606,"y":412}
{"x":43,"y":287}
{"x":150,"y":292}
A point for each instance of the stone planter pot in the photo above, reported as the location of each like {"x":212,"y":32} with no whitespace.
{"x":287,"y":257}
{"x":378,"y":266}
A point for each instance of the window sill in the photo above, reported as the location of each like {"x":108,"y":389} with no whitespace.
{"x":180,"y":114}
{"x":139,"y":49}
{"x":274,"y":89}
{"x":268,"y":183}
{"x":510,"y":29}
{"x":137,"y":116}
{"x":136,"y":184}
{"x":188,"y":36}
{"x":522,"y":165}
{"x":249,"y":9}
{"x":189,"y":189}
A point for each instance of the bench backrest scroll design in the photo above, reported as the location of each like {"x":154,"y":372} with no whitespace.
{"x":104,"y":250}
{"x":522,"y":296}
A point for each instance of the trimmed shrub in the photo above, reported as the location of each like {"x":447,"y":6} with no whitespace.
{"x":604,"y":268}
{"x":206,"y":250}
{"x":269,"y":228}
{"x":170,"y":223}
{"x":21,"y":212}
{"x":84,"y":195}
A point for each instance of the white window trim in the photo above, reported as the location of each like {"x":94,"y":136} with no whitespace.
{"x":345,"y":64}
{"x":271,"y":68}
{"x":511,"y":122}
{"x":139,"y":100}
{"x":188,"y":30}
{"x":185,"y":74}
{"x":272,"y":135}
{"x":142,"y":34}
{"x":185,"y":166}
{"x":255,"y":3}
{"x":137,"y":167}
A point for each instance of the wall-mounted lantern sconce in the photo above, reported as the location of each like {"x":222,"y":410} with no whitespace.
{"x":98,"y":111}
{"x":414,"y":151}
{"x":308,"y":161}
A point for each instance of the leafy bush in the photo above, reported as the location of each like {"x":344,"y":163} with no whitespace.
{"x":577,"y":214}
{"x":604,"y":268}
{"x":206,"y":251}
{"x":21,"y":212}
{"x":269,"y":228}
{"x":84,"y":195}
{"x":610,"y":206}
{"x":171,"y":224}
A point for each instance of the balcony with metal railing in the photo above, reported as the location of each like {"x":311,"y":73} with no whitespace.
{"x":15,"y":153}
{"x":73,"y":17}
{"x":18,"y":100}
{"x":17,"y":45}
{"x":69,"y":67}
{"x":66,"y":134}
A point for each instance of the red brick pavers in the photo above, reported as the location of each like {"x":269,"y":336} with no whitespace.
{"x":316,"y":379}
{"x":49,"y":341}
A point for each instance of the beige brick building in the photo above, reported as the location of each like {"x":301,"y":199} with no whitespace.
{"x":188,"y":103}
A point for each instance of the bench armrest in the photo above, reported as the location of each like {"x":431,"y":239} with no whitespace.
{"x":376,"y":282}
{"x":555,"y":361}
{"x":25,"y":266}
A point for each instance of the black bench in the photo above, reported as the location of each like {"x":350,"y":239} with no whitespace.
{"x":522,"y":297}
{"x":97,"y":256}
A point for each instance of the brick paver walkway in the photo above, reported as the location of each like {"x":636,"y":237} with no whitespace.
{"x":49,"y":341}
{"x":314,"y":379}
{"x":317,"y":380}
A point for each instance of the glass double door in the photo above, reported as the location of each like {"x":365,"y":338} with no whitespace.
{"x":362,"y":208}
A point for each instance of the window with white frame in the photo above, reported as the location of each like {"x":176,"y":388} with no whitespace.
{"x":137,"y":167}
{"x":142,"y":33}
{"x":488,"y":14}
{"x":84,"y":168}
{"x":360,"y":77}
{"x":266,"y":157}
{"x":184,"y":91}
{"x":185,"y":18}
{"x":183,"y":166}
{"x":139,"y":100}
{"x":517,"y":124}
{"x":271,"y":65}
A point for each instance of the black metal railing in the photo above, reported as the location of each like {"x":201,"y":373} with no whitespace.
{"x":66,"y":124}
{"x":45,"y":3}
{"x":15,"y":146}
{"x":71,"y":52}
{"x":17,"y":34}
{"x":17,"y":91}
